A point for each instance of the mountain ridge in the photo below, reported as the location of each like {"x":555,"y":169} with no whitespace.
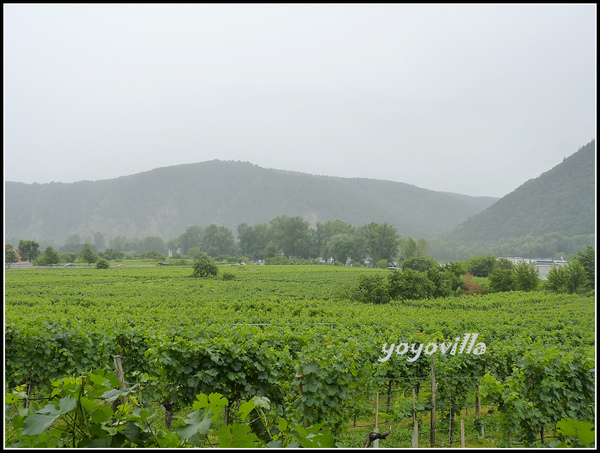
{"x":165,"y":200}
{"x":560,"y":200}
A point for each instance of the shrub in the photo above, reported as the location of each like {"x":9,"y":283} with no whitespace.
{"x":409,"y":285}
{"x":204,"y":268}
{"x":228,"y":276}
{"x":371,"y":289}
{"x":445,"y":283}
{"x":102,"y":264}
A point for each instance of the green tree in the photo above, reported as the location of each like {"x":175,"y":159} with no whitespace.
{"x":576,"y":276}
{"x":153,"y":244}
{"x":67,"y":257}
{"x":87,"y":254}
{"x":341,"y":247}
{"x":99,"y":242}
{"x":253,"y":240}
{"x":382,"y":264}
{"x":411,"y":249}
{"x":557,"y":279}
{"x":112,"y":254}
{"x":503,"y":263}
{"x":588,"y":261}
{"x":50,"y":257}
{"x":72,"y":244}
{"x":196,"y":253}
{"x":481,"y":266}
{"x":270,"y":250}
{"x":458,"y":268}
{"x":293,"y":237}
{"x":29,"y":250}
{"x":10,"y":256}
{"x":122,"y":244}
{"x":381,"y":241}
{"x":190,"y":237}
{"x":325,"y":233}
{"x":218,"y":240}
{"x":502,"y":280}
{"x":526,"y":277}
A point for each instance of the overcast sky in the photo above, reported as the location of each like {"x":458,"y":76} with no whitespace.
{"x":473,"y":99}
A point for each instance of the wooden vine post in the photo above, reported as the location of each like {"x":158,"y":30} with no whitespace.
{"x":119,"y":372}
{"x":432,"y":429}
{"x":452,"y":409}
{"x":478,"y":409}
{"x":478,"y":402}
{"x":376,"y":441}
{"x":374,"y":436}
{"x":415,"y":439}
{"x":120,"y":377}
{"x":414,"y":406}
{"x":389,"y":398}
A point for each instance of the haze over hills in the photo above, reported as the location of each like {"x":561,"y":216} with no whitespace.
{"x":164,"y":201}
{"x":561,"y":200}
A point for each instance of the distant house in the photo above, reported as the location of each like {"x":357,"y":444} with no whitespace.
{"x":19,"y":263}
{"x":16,"y":252}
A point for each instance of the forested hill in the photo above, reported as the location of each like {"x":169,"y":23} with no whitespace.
{"x":561,"y":200}
{"x":164,"y":201}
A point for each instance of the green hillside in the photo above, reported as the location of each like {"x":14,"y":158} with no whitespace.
{"x":164,"y":201}
{"x":562,"y":200}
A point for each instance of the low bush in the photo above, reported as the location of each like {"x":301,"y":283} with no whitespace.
{"x":102,"y":264}
{"x":204,"y":268}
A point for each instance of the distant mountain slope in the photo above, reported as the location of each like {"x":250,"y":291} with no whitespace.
{"x":561,"y":200}
{"x":165,"y":201}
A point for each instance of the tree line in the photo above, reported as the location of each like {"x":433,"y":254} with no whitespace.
{"x":290,"y":239}
{"x":283,"y":236}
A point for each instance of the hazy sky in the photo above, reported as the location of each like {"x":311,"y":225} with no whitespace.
{"x":473,"y":99}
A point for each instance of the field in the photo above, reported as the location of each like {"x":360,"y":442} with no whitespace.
{"x":286,"y":333}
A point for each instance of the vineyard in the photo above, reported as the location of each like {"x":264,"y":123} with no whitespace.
{"x":282,"y":341}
